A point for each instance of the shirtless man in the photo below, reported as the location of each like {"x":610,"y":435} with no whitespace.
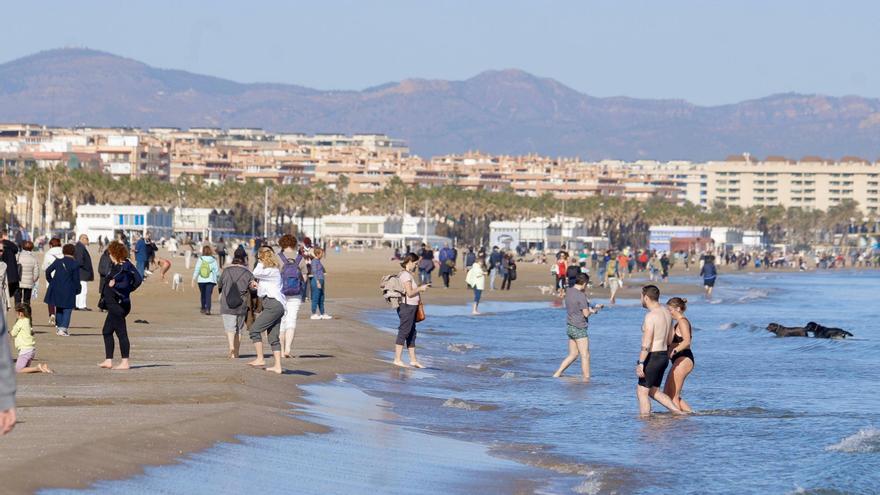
{"x":653,"y":358}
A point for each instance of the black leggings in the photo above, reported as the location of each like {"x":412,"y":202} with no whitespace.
{"x":505,"y":284}
{"x":115,"y":323}
{"x":445,"y":276}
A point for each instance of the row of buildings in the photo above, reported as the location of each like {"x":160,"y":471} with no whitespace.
{"x":365,"y":163}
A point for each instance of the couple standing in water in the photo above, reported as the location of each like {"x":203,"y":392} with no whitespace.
{"x":666,"y":337}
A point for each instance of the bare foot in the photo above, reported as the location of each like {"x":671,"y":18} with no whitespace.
{"x":557,"y":375}
{"x":476,"y":313}
{"x":416,"y":364}
{"x":45,"y":368}
{"x":276,"y":369}
{"x":400,"y":363}
{"x":257,"y":363}
{"x":107,"y":364}
{"x":122,"y":367}
{"x":288,"y":356}
{"x":586,"y":378}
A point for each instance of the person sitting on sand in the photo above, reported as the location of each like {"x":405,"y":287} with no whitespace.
{"x":268,"y":284}
{"x":123,"y":279}
{"x":409,"y":306}
{"x":577,"y":306}
{"x":25,"y":343}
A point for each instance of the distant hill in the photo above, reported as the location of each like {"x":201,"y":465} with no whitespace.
{"x":507,"y":111}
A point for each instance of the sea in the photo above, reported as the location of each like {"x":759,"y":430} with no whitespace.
{"x":772,"y":415}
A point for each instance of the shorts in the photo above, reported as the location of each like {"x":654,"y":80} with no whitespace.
{"x":25,"y":356}
{"x":709,"y":282}
{"x":575,"y":333}
{"x":234,"y":323}
{"x":655,"y":367}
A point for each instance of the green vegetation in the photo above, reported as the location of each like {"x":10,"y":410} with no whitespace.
{"x":463,"y":214}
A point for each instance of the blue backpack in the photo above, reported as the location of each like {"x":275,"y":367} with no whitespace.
{"x":291,"y":277}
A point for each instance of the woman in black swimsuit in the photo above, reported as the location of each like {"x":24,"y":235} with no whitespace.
{"x":680,"y":354}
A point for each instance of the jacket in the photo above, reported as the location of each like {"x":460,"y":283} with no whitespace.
{"x":51,"y":255}
{"x":28,"y":269}
{"x":82,"y":256}
{"x":63,"y":279}
{"x":10,"y":250}
{"x":235,"y":277}
{"x":23,"y":334}
{"x":476,"y":277}
{"x":215,"y":270}
{"x":7,"y":369}
{"x":392,"y":290}
{"x":126,"y":280}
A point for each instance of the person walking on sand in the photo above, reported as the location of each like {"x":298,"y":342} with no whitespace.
{"x":409,"y":307}
{"x":23,"y":334}
{"x":709,"y":272}
{"x":653,"y":356}
{"x":7,"y":381}
{"x":612,"y":279}
{"x":86,"y":272}
{"x":319,"y":287}
{"x":234,"y":286}
{"x":476,"y":280}
{"x":8,"y":256}
{"x":205,"y":273}
{"x":63,"y":279}
{"x":680,"y":353}
{"x":54,"y":253}
{"x":141,"y":254}
{"x":578,"y":310}
{"x":291,"y":286}
{"x":268,"y":284}
{"x":664,"y":267}
{"x":29,"y":270}
{"x":122,"y":279}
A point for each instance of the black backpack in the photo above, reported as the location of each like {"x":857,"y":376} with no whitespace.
{"x":233,"y":296}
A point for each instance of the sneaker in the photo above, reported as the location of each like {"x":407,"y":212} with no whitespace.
{"x":59,"y":332}
{"x":326,"y":317}
{"x":316,"y":317}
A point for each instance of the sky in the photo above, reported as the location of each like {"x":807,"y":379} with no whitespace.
{"x":704,"y":51}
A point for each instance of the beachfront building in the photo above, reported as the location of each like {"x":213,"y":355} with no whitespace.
{"x":546,"y":233}
{"x":663,"y":238}
{"x":809,"y":183}
{"x":110,"y":220}
{"x":203,"y":223}
{"x":371,"y":230}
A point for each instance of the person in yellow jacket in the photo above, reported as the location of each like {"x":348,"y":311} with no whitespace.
{"x":25,"y":343}
{"x":476,"y":279}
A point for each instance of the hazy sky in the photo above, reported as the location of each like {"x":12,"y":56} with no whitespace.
{"x":708,"y":52}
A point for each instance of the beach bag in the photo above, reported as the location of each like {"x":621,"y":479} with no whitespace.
{"x":291,"y":277}
{"x":205,"y":269}
{"x":420,"y":313}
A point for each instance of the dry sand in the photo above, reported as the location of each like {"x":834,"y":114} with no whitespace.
{"x":84,"y":424}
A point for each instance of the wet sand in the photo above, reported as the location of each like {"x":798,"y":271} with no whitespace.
{"x":183,"y":394}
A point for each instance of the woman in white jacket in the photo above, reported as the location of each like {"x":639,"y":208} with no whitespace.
{"x":476,"y":279}
{"x":29,"y":270}
{"x":54,"y":253}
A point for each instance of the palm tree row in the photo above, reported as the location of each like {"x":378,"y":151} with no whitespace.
{"x":462,"y":214}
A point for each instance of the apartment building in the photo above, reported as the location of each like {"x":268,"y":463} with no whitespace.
{"x":809,"y":183}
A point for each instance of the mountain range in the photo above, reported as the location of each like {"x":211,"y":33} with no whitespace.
{"x":502,"y":112}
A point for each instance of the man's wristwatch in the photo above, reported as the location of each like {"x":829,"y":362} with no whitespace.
{"x":640,"y":363}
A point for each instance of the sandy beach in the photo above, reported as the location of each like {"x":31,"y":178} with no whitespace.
{"x":83,"y":423}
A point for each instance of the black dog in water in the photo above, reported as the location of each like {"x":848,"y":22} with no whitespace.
{"x":821,"y":332}
{"x":818,"y":331}
{"x":783,"y":331}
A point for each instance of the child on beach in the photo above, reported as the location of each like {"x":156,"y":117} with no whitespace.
{"x":25,"y":343}
{"x":317,"y":285}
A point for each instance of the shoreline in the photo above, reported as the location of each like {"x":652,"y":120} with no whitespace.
{"x":184,"y":395}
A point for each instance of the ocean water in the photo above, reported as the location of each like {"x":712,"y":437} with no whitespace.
{"x":773,"y":415}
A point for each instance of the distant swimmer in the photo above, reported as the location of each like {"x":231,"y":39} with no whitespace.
{"x":653,"y":357}
{"x":577,"y":307}
{"x":680,"y":354}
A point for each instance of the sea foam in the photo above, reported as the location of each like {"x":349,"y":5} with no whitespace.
{"x":865,"y":441}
